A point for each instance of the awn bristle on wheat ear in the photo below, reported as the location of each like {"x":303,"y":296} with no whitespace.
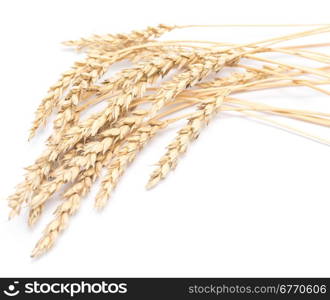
{"x":195,"y":80}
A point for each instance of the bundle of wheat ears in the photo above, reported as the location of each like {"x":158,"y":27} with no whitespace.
{"x":166,"y":81}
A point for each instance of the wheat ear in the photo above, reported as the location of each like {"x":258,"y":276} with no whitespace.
{"x":185,"y":135}
{"x":24,"y":191}
{"x":50,"y":101}
{"x":69,"y":206}
{"x":124,"y":157}
{"x":115,"y":42}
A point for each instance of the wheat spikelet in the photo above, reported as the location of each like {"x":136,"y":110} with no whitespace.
{"x":16,"y":200}
{"x":34,"y":214}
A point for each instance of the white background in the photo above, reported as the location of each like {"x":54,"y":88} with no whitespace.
{"x":247,"y":200}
